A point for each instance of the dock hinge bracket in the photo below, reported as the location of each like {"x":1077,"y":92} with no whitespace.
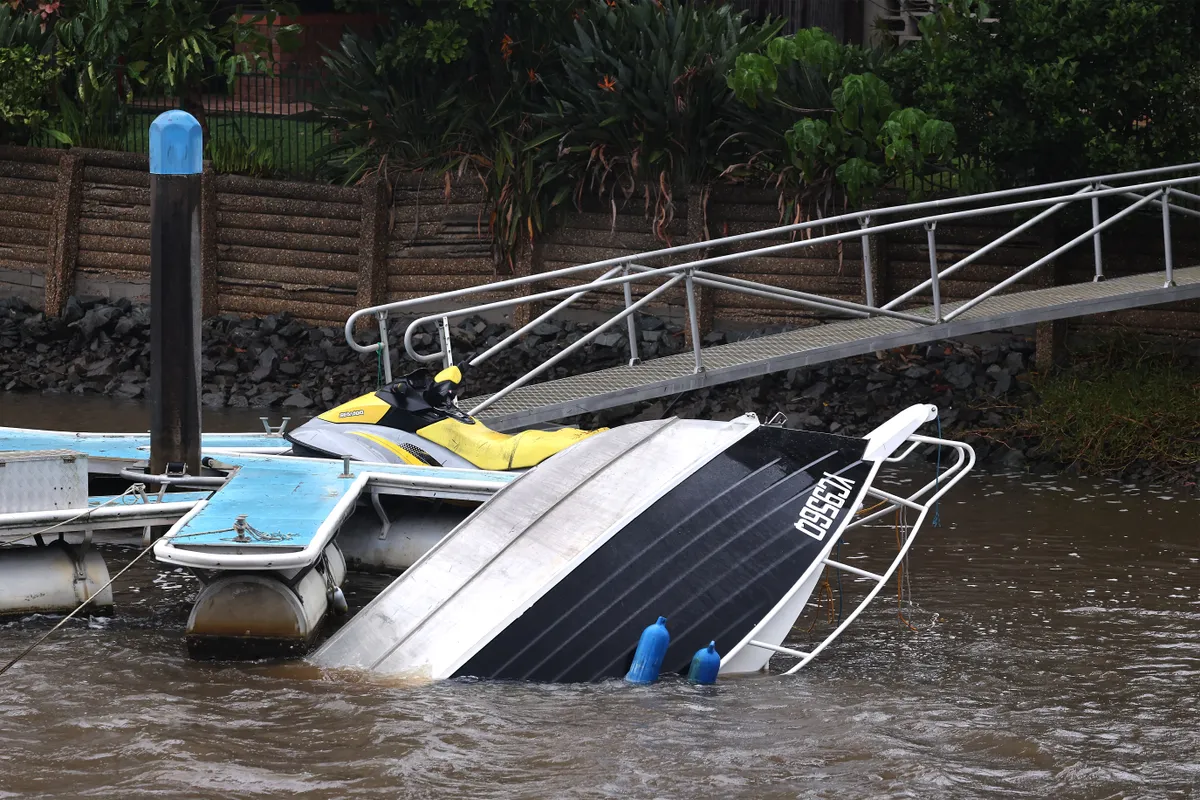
{"x":384,"y":523}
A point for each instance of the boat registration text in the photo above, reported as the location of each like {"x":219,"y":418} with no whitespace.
{"x":822,"y":507}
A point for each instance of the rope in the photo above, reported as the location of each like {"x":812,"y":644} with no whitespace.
{"x":838,"y":557}
{"x":379,"y":368}
{"x":138,"y":489}
{"x":900,"y":573}
{"x":937,"y":477}
{"x":79,"y":608}
{"x":82,"y":605}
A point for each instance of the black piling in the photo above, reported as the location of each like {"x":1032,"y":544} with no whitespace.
{"x":176,"y":148}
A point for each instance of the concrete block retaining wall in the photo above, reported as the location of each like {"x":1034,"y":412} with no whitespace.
{"x":77,"y":222}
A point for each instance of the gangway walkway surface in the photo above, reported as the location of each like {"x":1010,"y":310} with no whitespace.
{"x":874,"y":324}
{"x":607,"y":388}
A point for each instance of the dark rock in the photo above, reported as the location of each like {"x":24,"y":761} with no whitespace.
{"x":101,"y":368}
{"x":268,"y":359}
{"x":291,"y":330}
{"x":805,"y":422}
{"x":652,"y":412}
{"x":266,"y":399}
{"x":73,"y":311}
{"x":1014,"y":363}
{"x":649,"y":323}
{"x":816,"y":391}
{"x":298,"y":400}
{"x":128,"y":390}
{"x":1013,"y":459}
{"x":95,"y":319}
{"x":959,"y":375}
{"x":609,"y":340}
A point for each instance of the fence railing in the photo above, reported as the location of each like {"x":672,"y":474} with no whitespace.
{"x":261,"y":124}
{"x":1145,"y":189}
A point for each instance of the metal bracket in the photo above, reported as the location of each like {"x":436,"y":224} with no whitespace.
{"x":385,"y":523}
{"x":79,"y":575}
{"x":446,"y":342}
{"x":239,"y":528}
{"x":266,"y":422}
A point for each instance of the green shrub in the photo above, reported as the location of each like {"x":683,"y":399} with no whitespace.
{"x":1054,"y":89}
{"x":26,"y":81}
{"x":840,"y":124}
{"x":637,"y":100}
{"x":1120,"y":404}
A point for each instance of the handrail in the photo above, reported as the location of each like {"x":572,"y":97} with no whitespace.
{"x":770,"y":233}
{"x":1091,"y":190}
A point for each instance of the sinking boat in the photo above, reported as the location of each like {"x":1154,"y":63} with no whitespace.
{"x":724,"y":528}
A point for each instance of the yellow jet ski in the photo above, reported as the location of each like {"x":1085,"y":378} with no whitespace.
{"x":416,"y":421}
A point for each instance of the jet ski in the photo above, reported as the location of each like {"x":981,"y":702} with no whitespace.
{"x":416,"y":421}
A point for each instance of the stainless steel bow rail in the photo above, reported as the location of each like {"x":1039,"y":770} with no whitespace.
{"x":873,"y":325}
{"x":922,"y":501}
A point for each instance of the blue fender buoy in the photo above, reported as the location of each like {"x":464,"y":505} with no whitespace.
{"x":648,"y":658}
{"x":705,"y":665}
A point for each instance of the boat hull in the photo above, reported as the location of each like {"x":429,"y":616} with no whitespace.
{"x":714,"y":555}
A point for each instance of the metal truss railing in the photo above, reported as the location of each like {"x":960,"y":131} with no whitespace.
{"x":1144,"y":188}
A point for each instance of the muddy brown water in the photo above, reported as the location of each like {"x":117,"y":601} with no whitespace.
{"x":1058,"y":655}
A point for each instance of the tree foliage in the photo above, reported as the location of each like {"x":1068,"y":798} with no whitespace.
{"x":1048,"y":89}
{"x":845,"y":124}
{"x":25,"y":80}
{"x":421,"y":32}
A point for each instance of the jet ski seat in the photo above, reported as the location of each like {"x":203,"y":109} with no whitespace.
{"x":489,"y":449}
{"x":482,"y":446}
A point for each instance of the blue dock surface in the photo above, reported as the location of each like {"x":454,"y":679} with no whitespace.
{"x":292,"y":506}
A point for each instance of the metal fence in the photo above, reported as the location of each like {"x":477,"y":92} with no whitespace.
{"x":262,"y":124}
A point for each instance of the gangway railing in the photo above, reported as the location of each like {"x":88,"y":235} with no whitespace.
{"x":1142,"y":189}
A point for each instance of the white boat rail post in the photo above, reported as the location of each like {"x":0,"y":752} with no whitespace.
{"x":944,"y":482}
{"x":444,"y":333}
{"x":382,"y":351}
{"x":868,"y":279}
{"x":1168,"y":255}
{"x":1097,"y":249}
{"x":627,"y":290}
{"x":931,"y":238}
{"x":693,"y":319}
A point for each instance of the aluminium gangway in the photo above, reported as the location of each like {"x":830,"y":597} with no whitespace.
{"x":874,"y":324}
